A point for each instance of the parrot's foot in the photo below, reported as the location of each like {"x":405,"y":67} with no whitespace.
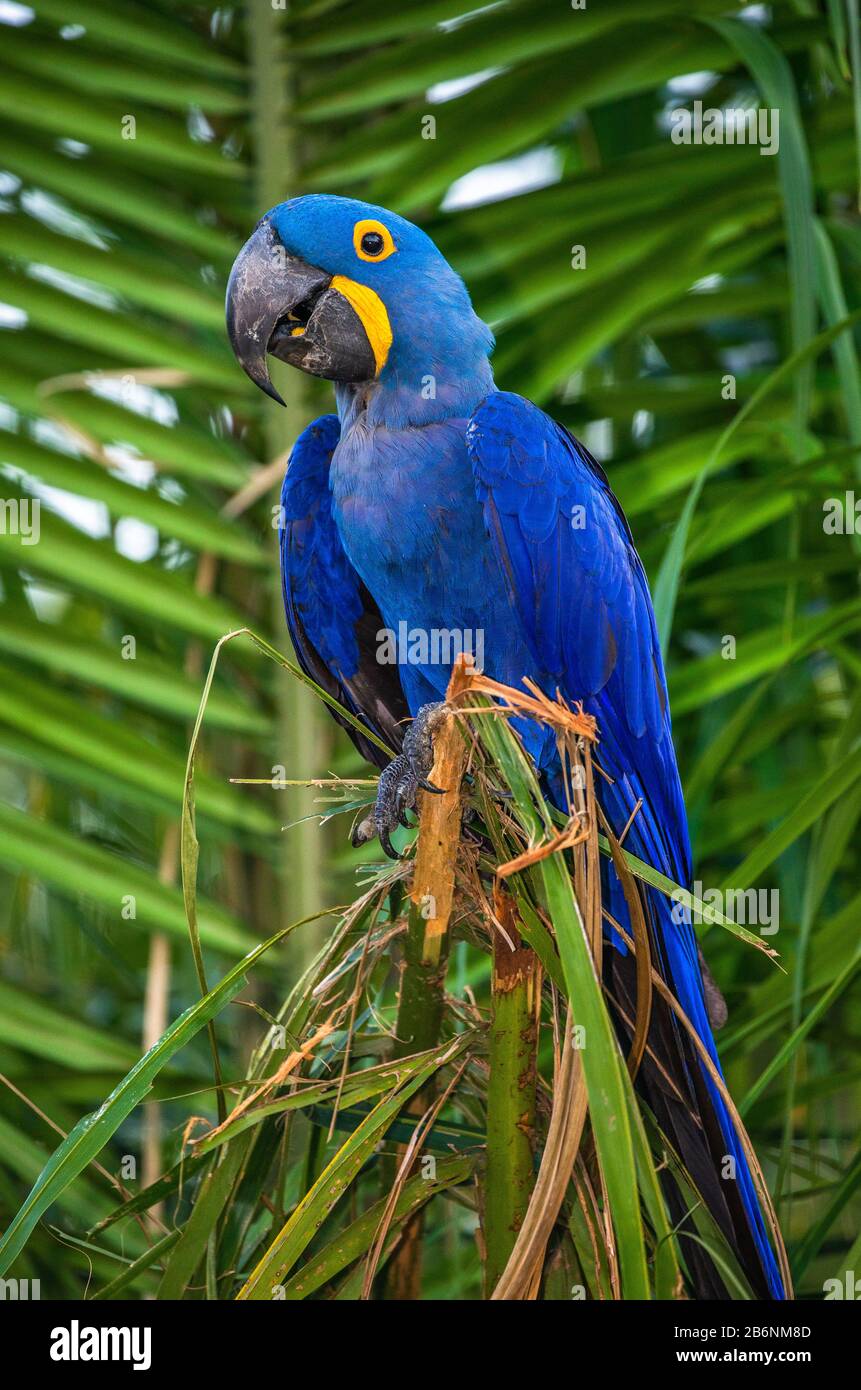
{"x":400,"y":782}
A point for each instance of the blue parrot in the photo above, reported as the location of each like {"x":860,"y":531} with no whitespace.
{"x":432,"y":502}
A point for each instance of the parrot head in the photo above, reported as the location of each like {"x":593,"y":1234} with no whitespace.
{"x":351,"y":292}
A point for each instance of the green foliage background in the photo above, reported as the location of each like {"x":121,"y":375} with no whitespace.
{"x":121,"y":410}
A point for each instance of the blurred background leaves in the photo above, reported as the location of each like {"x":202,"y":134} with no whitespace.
{"x":138,"y":146}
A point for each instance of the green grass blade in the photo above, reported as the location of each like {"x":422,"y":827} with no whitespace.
{"x":356,"y":1240}
{"x":333,"y":1182}
{"x":144,"y":1262}
{"x":90,"y":1134}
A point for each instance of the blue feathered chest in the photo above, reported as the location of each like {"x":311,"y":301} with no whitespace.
{"x":405,"y":506}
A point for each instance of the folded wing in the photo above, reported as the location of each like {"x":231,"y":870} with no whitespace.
{"x":332,"y":618}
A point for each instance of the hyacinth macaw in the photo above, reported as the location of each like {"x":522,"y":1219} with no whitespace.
{"x":434,"y":500}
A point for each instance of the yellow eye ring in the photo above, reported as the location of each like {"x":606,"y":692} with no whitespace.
{"x":372,"y":241}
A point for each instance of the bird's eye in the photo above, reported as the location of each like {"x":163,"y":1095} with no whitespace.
{"x":372,"y":240}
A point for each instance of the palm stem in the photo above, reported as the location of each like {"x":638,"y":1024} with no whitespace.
{"x":422,"y":994}
{"x":298,"y":726}
{"x":510,"y":1174}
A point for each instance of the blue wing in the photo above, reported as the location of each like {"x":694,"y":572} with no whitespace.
{"x":578,"y":589}
{"x":332,"y":618}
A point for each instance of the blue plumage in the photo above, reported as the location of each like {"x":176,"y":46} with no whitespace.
{"x":435,"y":500}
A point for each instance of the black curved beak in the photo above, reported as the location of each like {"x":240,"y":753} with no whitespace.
{"x":276,"y":303}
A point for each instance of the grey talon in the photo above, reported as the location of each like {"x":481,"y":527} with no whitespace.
{"x":400,"y":781}
{"x":429,"y":787}
{"x":418,"y":739}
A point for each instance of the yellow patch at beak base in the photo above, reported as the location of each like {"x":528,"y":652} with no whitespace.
{"x":372,"y":312}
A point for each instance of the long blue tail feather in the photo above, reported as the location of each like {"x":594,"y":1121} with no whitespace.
{"x":679,"y":947}
{"x":677,"y":961}
{"x":679,"y":965}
